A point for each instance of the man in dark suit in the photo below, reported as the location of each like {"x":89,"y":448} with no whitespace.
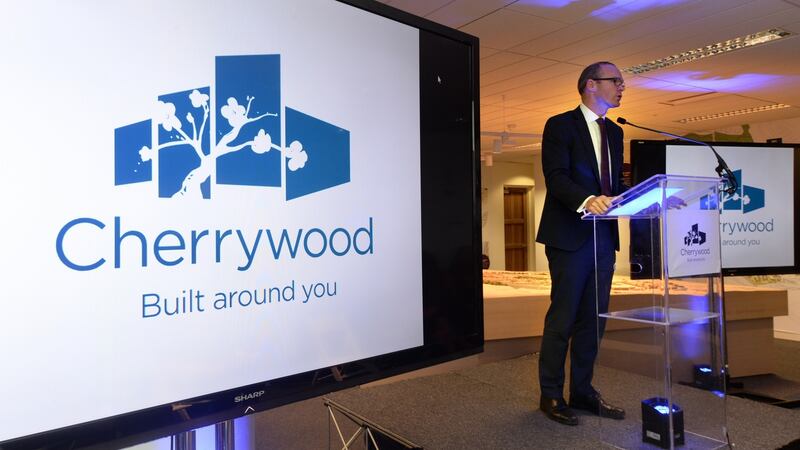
{"x":582,"y":164}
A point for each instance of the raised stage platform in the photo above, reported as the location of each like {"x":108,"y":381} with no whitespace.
{"x":515,"y":304}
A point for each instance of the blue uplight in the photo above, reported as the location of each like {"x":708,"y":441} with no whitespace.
{"x":618,"y":9}
{"x":664,"y":409}
{"x":555,"y":4}
{"x":651,"y":197}
{"x":614,"y":10}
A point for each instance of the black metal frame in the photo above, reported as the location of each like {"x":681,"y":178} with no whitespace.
{"x":648,"y":157}
{"x":452,"y":276}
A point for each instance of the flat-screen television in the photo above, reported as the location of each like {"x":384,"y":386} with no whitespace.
{"x":759,"y":229}
{"x":214,"y":208}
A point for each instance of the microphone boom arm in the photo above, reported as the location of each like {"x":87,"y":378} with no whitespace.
{"x":722,"y":168}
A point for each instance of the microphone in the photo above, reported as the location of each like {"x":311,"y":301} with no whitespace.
{"x":722,"y":167}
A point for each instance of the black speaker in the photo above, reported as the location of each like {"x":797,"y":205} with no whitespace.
{"x":645,"y":243}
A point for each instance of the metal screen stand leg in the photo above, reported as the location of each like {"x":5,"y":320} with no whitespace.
{"x":225,"y":436}
{"x":366,"y":428}
{"x":184,"y":441}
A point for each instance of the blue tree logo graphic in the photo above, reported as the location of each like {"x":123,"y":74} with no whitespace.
{"x":745,"y":198}
{"x":247,"y":150}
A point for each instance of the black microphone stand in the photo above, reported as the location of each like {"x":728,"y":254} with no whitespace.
{"x":722,"y":167}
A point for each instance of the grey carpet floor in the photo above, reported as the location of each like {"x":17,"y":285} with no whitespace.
{"x":495,"y":406}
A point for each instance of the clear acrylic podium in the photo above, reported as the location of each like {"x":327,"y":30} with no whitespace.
{"x":666,"y":347}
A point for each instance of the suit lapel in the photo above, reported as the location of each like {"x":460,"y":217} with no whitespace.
{"x":586,"y":139}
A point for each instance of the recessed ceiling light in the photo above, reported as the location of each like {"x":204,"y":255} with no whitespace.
{"x":737,"y":112}
{"x":710,"y":50}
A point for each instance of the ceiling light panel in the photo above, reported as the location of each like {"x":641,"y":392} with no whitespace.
{"x":737,"y":112}
{"x":718,"y":48}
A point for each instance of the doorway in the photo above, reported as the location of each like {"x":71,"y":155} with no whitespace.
{"x":515,"y":213}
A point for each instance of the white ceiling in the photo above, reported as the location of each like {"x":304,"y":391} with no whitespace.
{"x":532,"y":52}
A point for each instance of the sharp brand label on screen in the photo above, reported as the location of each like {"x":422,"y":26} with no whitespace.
{"x":207,"y":206}
{"x":250,"y":396}
{"x":756,"y":222}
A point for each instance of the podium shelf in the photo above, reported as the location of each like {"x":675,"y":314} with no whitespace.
{"x":655,"y":315}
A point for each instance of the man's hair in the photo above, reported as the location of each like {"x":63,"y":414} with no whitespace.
{"x":591,"y":71}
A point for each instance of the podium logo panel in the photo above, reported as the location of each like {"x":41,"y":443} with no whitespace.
{"x":694,"y":237}
{"x":692,"y":242}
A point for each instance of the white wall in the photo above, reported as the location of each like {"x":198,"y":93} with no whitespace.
{"x":503,"y":174}
{"x":788,"y":327}
{"x":493,"y":179}
{"x":524,"y":174}
{"x":788,"y":129}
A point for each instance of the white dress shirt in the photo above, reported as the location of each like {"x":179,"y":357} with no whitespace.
{"x":594,"y":132}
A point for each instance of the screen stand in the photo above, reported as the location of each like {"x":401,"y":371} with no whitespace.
{"x":225,"y":434}
{"x":184,"y":441}
{"x":374,"y":436}
{"x":224,"y":438}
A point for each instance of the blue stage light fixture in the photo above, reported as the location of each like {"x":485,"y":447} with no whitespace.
{"x":655,"y":422}
{"x":704,"y":378}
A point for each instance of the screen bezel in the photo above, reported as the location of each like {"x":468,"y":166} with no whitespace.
{"x":648,"y":157}
{"x":458,"y":265}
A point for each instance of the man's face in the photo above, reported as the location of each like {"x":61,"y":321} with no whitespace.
{"x":608,"y":92}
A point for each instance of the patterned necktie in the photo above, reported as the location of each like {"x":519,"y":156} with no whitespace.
{"x":605,"y":174}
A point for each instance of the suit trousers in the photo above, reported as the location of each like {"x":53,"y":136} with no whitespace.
{"x":576,"y":298}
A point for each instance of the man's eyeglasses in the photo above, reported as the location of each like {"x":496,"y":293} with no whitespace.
{"x":617,"y":80}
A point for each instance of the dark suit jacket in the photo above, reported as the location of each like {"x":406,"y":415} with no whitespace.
{"x":571,"y":174}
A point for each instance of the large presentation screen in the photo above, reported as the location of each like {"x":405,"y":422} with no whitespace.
{"x":758,"y":222}
{"x":200,"y":197}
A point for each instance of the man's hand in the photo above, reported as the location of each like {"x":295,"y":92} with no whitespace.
{"x":599,"y":204}
{"x":675,"y":202}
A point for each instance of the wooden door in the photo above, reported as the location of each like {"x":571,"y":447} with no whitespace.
{"x":516,"y":228}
